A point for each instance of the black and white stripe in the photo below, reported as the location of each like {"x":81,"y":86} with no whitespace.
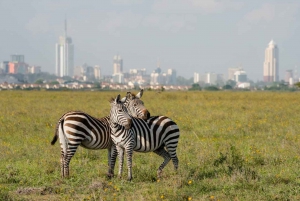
{"x":76,"y":128}
{"x":158,"y":134}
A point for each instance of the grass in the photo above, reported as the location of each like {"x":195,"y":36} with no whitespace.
{"x":233,"y":146}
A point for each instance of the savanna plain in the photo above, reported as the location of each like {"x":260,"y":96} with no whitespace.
{"x":233,"y":146}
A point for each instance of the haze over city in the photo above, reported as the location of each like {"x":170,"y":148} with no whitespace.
{"x":186,"y":35}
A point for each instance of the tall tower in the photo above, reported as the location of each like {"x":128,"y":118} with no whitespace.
{"x":271,"y":66}
{"x":118,"y":65}
{"x":64,"y":55}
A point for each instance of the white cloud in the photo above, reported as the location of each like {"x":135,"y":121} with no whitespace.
{"x":171,"y":22}
{"x":276,"y":18}
{"x":195,"y":6}
{"x":124,"y":2}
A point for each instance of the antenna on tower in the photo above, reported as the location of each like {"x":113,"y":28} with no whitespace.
{"x":65,"y":26}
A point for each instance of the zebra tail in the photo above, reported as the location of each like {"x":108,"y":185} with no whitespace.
{"x":56,"y":131}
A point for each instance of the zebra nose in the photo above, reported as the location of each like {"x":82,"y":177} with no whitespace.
{"x":146,"y":114}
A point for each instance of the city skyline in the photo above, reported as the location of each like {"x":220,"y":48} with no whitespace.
{"x":188,"y":36}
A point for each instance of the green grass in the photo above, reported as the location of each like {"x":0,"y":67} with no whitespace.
{"x":233,"y":146}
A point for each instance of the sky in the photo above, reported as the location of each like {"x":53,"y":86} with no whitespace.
{"x":186,"y":35}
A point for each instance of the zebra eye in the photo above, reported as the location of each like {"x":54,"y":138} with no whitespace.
{"x":135,"y":105}
{"x":120,"y":110}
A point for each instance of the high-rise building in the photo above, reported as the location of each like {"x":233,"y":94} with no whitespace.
{"x":64,"y":55}
{"x":97,"y":72}
{"x":231,"y":72}
{"x":271,"y":65}
{"x":117,"y":65}
{"x":17,"y":58}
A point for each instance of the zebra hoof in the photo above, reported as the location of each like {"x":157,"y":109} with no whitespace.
{"x":110,"y":176}
{"x":129,"y":178}
{"x":159,"y":173}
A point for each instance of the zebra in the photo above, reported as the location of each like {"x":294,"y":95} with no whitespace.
{"x":77,"y":128}
{"x":134,"y":134}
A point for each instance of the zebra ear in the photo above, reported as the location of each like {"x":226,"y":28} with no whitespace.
{"x":117,"y":99}
{"x":140,"y":94}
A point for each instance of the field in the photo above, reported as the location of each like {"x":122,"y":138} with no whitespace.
{"x":233,"y":146}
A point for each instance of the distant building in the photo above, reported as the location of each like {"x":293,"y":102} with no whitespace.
{"x":17,"y":58}
{"x":97,"y":72}
{"x":288,"y":75}
{"x":196,"y":77}
{"x":64,"y":55}
{"x":231,"y":72}
{"x":240,"y":76}
{"x":34,"y":69}
{"x":211,"y":78}
{"x":171,"y":78}
{"x":271,"y":65}
{"x":5,"y":67}
{"x":117,"y":65}
{"x":17,"y":67}
{"x":118,"y":78}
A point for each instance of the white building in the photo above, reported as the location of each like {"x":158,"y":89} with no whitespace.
{"x":196,"y":77}
{"x":231,"y":72}
{"x":171,"y":77}
{"x":117,"y":65}
{"x":211,"y":78}
{"x":240,"y":76}
{"x":97,"y":72}
{"x":64,"y":55}
{"x":271,"y":65}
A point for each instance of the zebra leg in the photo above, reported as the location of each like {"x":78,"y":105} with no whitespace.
{"x":129,"y":153}
{"x":62,"y":163}
{"x":112,"y":156}
{"x":163,"y":153}
{"x":173,"y":155}
{"x":121,"y":160}
{"x":67,"y":158}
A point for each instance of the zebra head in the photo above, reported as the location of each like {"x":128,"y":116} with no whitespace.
{"x":135,"y":105}
{"x":118,"y":114}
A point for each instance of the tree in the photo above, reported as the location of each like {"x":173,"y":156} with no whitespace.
{"x":211,"y":88}
{"x":231,"y":83}
{"x":39,"y":81}
{"x":227,"y":86}
{"x":195,"y":87}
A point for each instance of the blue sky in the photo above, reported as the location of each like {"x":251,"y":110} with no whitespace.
{"x":186,"y":35}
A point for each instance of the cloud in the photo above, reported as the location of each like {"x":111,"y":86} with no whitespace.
{"x":125,"y":2}
{"x":171,"y":22}
{"x":195,"y":6}
{"x":278,"y":18}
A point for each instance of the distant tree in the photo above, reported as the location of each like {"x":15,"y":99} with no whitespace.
{"x":297,"y":84}
{"x":54,"y":82}
{"x":183,"y":81}
{"x":195,"y":87}
{"x":211,"y":88}
{"x":227,"y":87}
{"x":39,"y":81}
{"x":231,"y":83}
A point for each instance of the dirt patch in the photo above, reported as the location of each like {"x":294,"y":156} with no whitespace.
{"x":32,"y":190}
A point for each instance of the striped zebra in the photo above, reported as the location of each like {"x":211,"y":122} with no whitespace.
{"x":77,"y":128}
{"x":158,"y":134}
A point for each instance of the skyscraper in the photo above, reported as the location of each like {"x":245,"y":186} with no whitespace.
{"x":271,"y":67}
{"x":64,"y":55}
{"x":118,"y":65}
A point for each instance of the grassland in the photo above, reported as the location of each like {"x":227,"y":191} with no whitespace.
{"x":233,"y":146}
